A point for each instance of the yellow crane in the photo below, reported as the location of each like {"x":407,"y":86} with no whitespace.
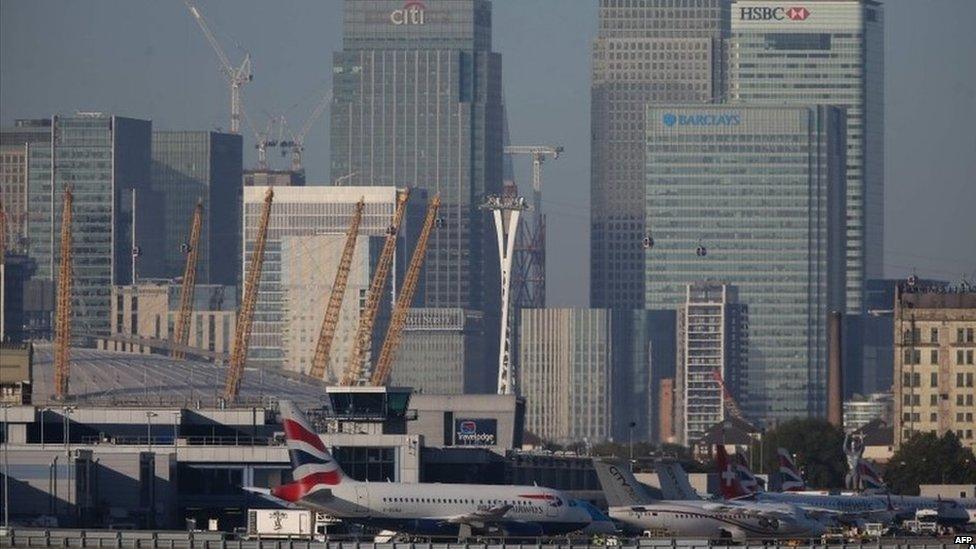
{"x":384,"y":364}
{"x":242,"y":333}
{"x":357,"y":357}
{"x":62,"y":321}
{"x":181,"y":334}
{"x":327,"y":333}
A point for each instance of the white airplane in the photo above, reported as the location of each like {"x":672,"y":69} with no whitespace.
{"x":423,"y":509}
{"x":634,"y":508}
{"x":947,"y":512}
{"x":849,"y":509}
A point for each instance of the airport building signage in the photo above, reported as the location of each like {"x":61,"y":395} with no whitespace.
{"x":475,"y":432}
{"x":766,"y":13}
{"x":671,"y":119}
{"x":412,"y":13}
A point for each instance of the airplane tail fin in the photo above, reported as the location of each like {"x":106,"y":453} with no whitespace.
{"x":748,"y":480}
{"x":674,"y":482}
{"x":728,"y":478}
{"x":790,"y":479}
{"x":312,"y":464}
{"x":870,"y":477}
{"x":619,"y":485}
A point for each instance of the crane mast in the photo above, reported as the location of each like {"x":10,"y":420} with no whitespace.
{"x":384,"y":364}
{"x":62,"y":325}
{"x":181,"y":334}
{"x":242,"y":332}
{"x":327,"y":333}
{"x":236,"y":77}
{"x":357,"y":357}
{"x":730,"y":402}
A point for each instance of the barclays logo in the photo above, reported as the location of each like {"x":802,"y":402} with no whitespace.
{"x":670,"y":119}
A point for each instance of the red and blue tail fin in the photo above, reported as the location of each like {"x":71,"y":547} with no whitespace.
{"x":312,"y":464}
{"x":790,"y":479}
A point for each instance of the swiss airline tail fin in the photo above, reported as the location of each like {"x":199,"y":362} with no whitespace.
{"x":728,"y":478}
{"x":790,"y":479}
{"x":312,"y":465}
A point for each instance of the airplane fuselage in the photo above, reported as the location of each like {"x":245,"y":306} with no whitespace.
{"x":693,"y":519}
{"x":437,"y":509}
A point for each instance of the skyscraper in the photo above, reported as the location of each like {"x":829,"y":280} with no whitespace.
{"x":187,"y":166}
{"x":105,"y":159}
{"x":713,"y":342}
{"x":753,"y":196}
{"x":15,"y":145}
{"x":417,"y":103}
{"x":647,"y":51}
{"x":306,"y":234}
{"x":824,"y":52}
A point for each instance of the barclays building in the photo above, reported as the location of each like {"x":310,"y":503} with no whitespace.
{"x":753,"y":196}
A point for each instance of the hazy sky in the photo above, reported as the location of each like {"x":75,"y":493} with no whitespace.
{"x":147,"y":59}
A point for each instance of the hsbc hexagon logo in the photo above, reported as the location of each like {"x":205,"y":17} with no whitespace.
{"x":797,"y":14}
{"x":764,"y":13}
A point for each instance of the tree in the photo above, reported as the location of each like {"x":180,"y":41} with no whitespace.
{"x":818,"y":448}
{"x":926,"y":458}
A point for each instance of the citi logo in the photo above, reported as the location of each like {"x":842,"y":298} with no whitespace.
{"x":412,"y":13}
{"x":757,"y":13}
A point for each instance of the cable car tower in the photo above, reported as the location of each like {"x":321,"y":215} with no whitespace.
{"x":506,"y":211}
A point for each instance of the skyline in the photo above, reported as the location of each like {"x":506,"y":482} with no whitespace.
{"x":541,"y":43}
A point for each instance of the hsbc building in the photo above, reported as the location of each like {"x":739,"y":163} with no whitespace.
{"x":824,"y":52}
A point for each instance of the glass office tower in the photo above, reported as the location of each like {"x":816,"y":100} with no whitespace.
{"x":647,"y":51}
{"x":417,"y":103}
{"x":752,"y":196}
{"x":187,"y":166}
{"x":824,"y":52}
{"x":105,"y":159}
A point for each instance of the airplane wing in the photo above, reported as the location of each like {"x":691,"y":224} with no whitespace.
{"x":481,"y":518}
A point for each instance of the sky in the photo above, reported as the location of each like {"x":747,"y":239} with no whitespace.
{"x":147,"y":59}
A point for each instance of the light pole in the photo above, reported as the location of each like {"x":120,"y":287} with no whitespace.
{"x":6,"y":472}
{"x":631,"y":441}
{"x":42,"y":425}
{"x":149,"y":416}
{"x":68,"y":410}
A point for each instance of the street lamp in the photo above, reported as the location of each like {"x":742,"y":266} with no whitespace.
{"x":42,"y":425}
{"x":149,"y":416}
{"x":630,"y":429}
{"x":68,"y":410}
{"x":6,"y":471}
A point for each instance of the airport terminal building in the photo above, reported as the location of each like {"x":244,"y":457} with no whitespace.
{"x":144,"y":442}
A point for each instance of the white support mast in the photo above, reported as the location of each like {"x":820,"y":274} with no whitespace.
{"x":506,"y":211}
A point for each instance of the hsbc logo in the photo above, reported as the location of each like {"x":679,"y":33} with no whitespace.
{"x":757,"y":13}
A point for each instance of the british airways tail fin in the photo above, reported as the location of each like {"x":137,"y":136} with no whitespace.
{"x":312,"y":464}
{"x":790,"y":479}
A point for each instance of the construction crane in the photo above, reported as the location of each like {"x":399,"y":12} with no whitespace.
{"x":327,"y":333}
{"x":181,"y":335}
{"x":529,"y":270}
{"x":357,"y":357}
{"x":384,"y":364}
{"x":730,"y":402}
{"x":62,"y":321}
{"x":236,"y":77}
{"x":242,"y":332}
{"x":297,"y":142}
